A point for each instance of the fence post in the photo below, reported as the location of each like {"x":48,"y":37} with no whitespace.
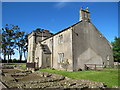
{"x":85,"y":66}
{"x":95,"y":66}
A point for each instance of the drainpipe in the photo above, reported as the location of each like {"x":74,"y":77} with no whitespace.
{"x":52,"y":51}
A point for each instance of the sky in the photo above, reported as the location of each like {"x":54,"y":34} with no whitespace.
{"x":55,"y":16}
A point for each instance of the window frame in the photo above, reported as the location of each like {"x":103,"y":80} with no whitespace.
{"x":60,"y":39}
{"x":60,"y":57}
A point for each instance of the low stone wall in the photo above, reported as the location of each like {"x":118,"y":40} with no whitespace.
{"x":27,"y":79}
{"x":7,"y":67}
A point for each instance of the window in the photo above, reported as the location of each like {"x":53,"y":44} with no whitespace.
{"x":60,"y":39}
{"x":60,"y":57}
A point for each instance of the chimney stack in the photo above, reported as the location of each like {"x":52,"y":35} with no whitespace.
{"x":84,"y":14}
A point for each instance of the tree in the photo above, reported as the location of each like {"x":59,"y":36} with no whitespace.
{"x":8,"y":41}
{"x":25,"y":48}
{"x":65,"y":64}
{"x":21,"y":43}
{"x":3,"y":44}
{"x":116,"y":49}
{"x":13,"y":38}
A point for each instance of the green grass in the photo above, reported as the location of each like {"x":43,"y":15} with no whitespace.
{"x":23,"y":65}
{"x":107,"y":76}
{"x":14,"y":63}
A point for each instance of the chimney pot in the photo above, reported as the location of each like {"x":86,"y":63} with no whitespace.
{"x":87,"y":9}
{"x":81,"y":8}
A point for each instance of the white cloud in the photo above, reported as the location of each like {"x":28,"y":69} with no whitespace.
{"x":60,"y":4}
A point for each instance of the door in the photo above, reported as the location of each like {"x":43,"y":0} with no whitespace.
{"x":48,"y":63}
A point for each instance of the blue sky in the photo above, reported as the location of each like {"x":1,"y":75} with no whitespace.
{"x":55,"y":16}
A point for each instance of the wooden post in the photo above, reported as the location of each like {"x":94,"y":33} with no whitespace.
{"x":85,"y":67}
{"x":95,"y":66}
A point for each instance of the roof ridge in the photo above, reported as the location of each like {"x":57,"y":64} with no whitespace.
{"x":61,"y":31}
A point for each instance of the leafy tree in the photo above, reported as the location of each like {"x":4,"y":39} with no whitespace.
{"x":25,"y":48}
{"x":116,"y":49}
{"x":21,"y":43}
{"x":13,"y":38}
{"x":8,"y":41}
{"x":65,"y":64}
{"x":3,"y":43}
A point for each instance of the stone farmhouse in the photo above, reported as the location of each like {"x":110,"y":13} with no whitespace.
{"x":70,"y":49}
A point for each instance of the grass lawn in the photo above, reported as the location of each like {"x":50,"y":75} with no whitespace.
{"x":23,"y":65}
{"x":108,"y":76}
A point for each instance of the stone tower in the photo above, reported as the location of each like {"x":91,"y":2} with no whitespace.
{"x":33,"y":38}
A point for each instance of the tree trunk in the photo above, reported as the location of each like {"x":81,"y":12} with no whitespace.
{"x":8,"y":55}
{"x":25,"y":56}
{"x":4,"y":57}
{"x":8,"y":59}
{"x":20,"y":57}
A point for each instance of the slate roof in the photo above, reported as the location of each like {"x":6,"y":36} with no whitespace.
{"x":45,"y":49}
